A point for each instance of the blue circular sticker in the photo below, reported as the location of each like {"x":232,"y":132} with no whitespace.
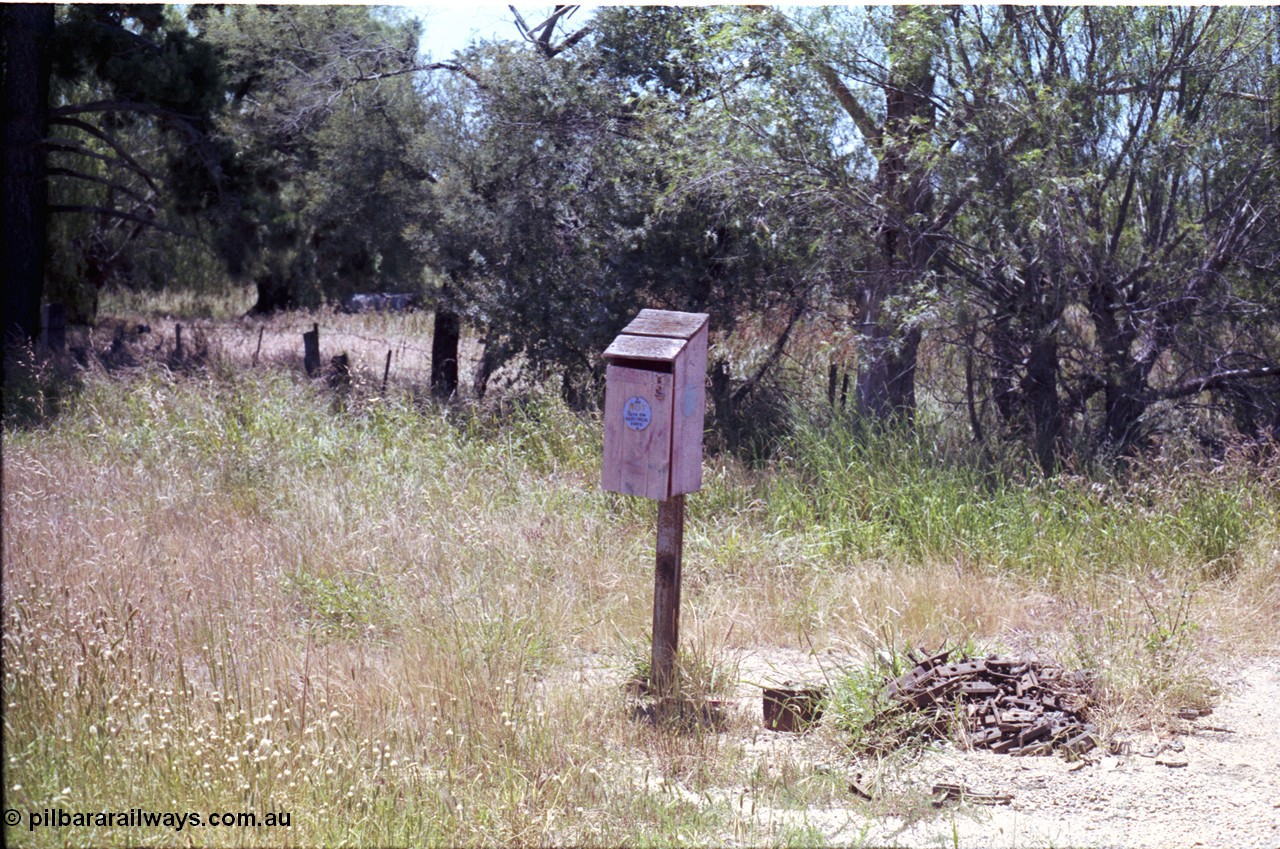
{"x":637,"y":413}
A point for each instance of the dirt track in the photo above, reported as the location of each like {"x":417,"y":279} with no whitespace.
{"x":1215,"y":784}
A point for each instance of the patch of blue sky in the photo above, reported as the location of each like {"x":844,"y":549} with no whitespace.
{"x":448,"y":27}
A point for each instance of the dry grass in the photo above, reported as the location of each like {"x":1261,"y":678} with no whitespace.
{"x":410,"y":626}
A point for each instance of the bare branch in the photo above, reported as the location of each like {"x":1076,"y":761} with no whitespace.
{"x":117,"y":106}
{"x":1244,"y":95}
{"x":851,"y":105}
{"x":71,"y":146}
{"x":540,"y":35}
{"x":548,"y":26}
{"x":1217,"y":380}
{"x":520,"y":24}
{"x":573,"y":39}
{"x":110,"y":140}
{"x":779,"y":346}
{"x":412,"y":69}
{"x":111,"y":184}
{"x":151,"y":222}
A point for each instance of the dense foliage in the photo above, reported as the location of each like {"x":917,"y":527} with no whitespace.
{"x":1061,"y":223}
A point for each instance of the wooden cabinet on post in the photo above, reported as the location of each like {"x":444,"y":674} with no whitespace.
{"x":655,"y":405}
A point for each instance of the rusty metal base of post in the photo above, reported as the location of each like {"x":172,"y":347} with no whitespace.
{"x":666,"y":594}
{"x":792,"y":708}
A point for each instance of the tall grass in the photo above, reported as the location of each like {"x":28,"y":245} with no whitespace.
{"x":409,"y":625}
{"x":873,"y":494}
{"x":220,"y":592}
{"x":186,"y":302}
{"x":1136,"y":578}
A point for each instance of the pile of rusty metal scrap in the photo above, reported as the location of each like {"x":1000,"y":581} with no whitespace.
{"x":1016,"y":707}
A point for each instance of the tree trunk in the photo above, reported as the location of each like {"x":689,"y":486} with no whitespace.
{"x":1125,"y":407}
{"x":886,"y":380}
{"x":1044,"y":410}
{"x":445,"y":338}
{"x":887,"y":359}
{"x":489,"y":363}
{"x":273,"y":294}
{"x":886,"y":387}
{"x":1124,"y":379}
{"x":24,"y":223}
{"x":1004,"y":361}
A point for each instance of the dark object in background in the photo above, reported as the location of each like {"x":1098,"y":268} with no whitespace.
{"x":380,"y":302}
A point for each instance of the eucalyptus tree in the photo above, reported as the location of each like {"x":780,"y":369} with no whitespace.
{"x":1087,"y":195}
{"x":736,"y":228}
{"x":550,"y":215}
{"x":532,"y":197}
{"x":538,"y":213}
{"x":1122,"y":172}
{"x":899,"y":128}
{"x":824,"y":121}
{"x":720,"y":236}
{"x":323,"y":107}
{"x":109,"y":112}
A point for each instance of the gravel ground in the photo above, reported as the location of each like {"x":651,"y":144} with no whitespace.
{"x":1216,"y":783}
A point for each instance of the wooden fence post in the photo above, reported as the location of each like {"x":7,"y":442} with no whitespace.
{"x":259,"y":348}
{"x":311,"y":350}
{"x":177,"y":344}
{"x":386,"y":372}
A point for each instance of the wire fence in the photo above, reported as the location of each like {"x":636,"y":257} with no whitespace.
{"x":401,"y":355}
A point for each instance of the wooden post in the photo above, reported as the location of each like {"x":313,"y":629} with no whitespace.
{"x":666,"y":593}
{"x":386,"y":372}
{"x":177,"y":344}
{"x":311,"y":350}
{"x":259,"y":348}
{"x":55,"y":327}
{"x":655,"y":406}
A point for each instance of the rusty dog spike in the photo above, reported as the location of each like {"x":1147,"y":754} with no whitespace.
{"x":1009,"y":705}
